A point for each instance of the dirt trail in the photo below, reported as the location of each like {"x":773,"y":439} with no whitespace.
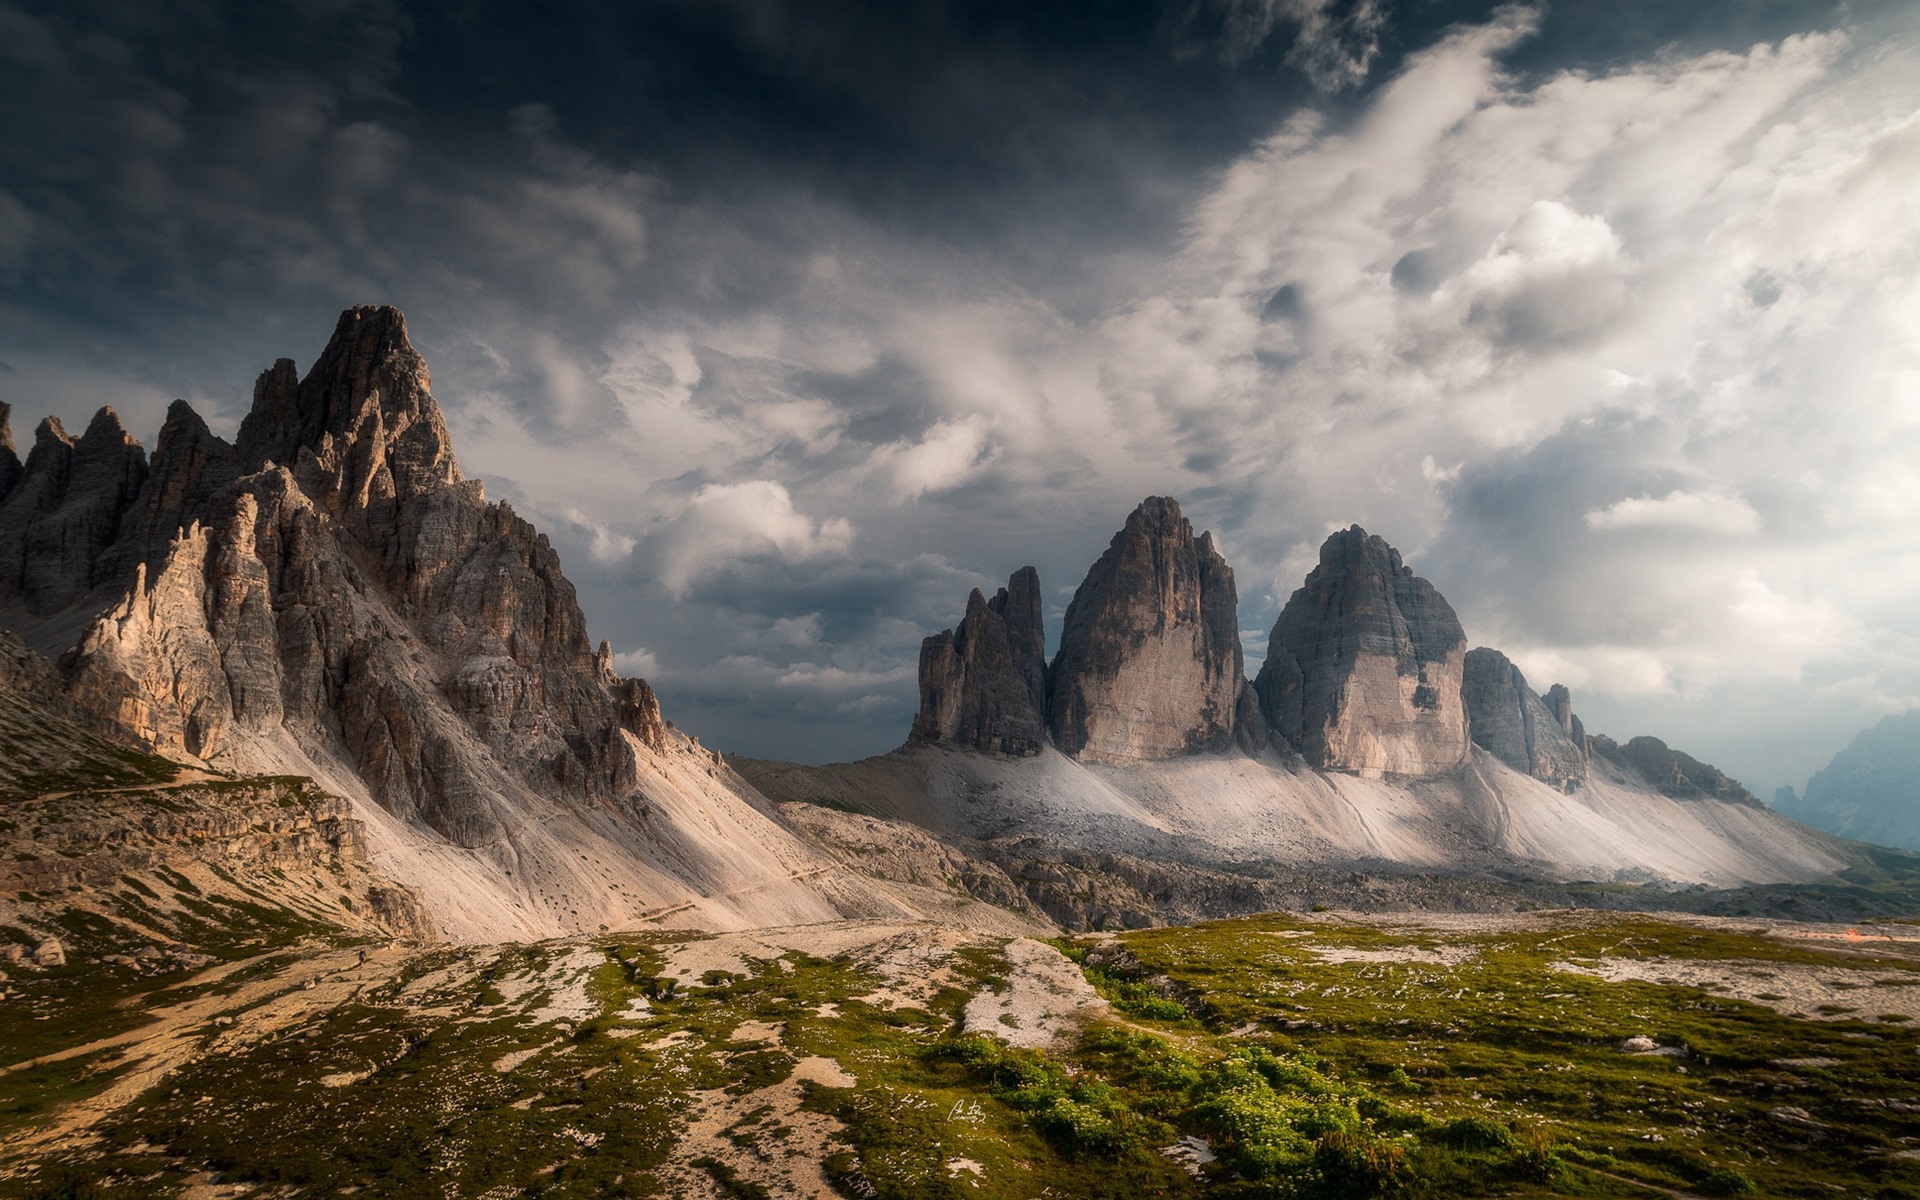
{"x":661,"y":914}
{"x":1656,"y":1189}
{"x":256,"y":1009}
{"x":187,"y":777}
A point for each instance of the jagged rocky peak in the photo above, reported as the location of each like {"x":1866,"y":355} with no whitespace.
{"x":1673,"y":772}
{"x":1510,"y":721}
{"x":1149,"y":665}
{"x":10,"y":468}
{"x":189,"y":466}
{"x":1364,"y":666}
{"x":64,"y":511}
{"x":365,"y":412}
{"x":983,"y":684}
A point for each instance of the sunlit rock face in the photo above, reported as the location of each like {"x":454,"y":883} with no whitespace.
{"x":329,"y":596}
{"x":1149,"y":664}
{"x":1364,"y":666}
{"x":1509,"y":720}
{"x":983,"y":684}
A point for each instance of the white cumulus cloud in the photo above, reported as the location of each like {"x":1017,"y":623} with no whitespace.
{"x":946,"y":456}
{"x":725,"y":522}
{"x":1711,"y":512}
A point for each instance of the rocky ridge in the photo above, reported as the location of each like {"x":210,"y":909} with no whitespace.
{"x":1372,"y":740}
{"x":1367,"y":673}
{"x":1673,"y":772}
{"x":86,"y":816}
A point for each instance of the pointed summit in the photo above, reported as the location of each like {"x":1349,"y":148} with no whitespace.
{"x":983,"y":684}
{"x":1149,"y":664}
{"x":49,"y":435}
{"x":108,"y":457}
{"x":189,"y":465}
{"x":1364,"y":666}
{"x":365,"y":409}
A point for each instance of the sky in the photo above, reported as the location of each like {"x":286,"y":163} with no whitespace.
{"x":791,"y":323}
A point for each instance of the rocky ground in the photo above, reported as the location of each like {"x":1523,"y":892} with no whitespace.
{"x":1546,"y":1053}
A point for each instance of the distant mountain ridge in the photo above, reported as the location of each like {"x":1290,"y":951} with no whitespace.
{"x":1871,"y":789}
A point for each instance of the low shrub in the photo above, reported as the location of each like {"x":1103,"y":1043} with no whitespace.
{"x":1725,"y":1181}
{"x":1473,"y":1133}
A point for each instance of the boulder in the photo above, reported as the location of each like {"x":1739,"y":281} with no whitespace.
{"x":50,"y":953}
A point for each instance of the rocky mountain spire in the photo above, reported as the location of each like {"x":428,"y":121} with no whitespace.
{"x":983,"y":683}
{"x":189,"y":466}
{"x":10,"y":468}
{"x":365,"y":413}
{"x":1507,"y":719}
{"x":1364,"y":666}
{"x":329,"y":597}
{"x":1149,"y":664}
{"x":62,"y":514}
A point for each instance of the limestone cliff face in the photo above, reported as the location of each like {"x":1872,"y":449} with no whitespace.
{"x":1364,"y":666}
{"x":983,"y":684}
{"x":1508,"y":719}
{"x":1149,"y":664}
